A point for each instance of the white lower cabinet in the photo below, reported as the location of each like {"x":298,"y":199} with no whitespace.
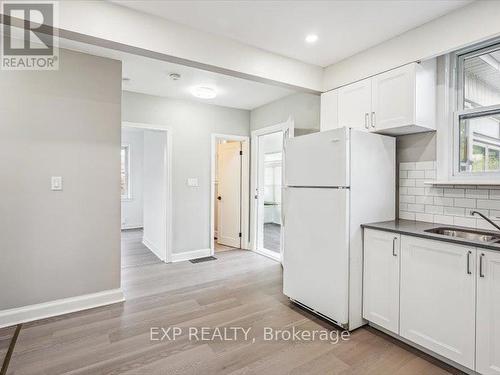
{"x":448,"y":301}
{"x":488,"y":312}
{"x":438,"y":297}
{"x":381,"y":279}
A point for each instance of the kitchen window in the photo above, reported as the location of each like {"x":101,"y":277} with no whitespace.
{"x":125,"y":172}
{"x":477,"y":115}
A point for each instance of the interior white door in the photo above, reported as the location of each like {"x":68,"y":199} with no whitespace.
{"x":438,"y":297}
{"x":319,"y":159}
{"x":316,"y":256}
{"x":354,"y":105}
{"x":488,"y":312}
{"x":229,"y":193}
{"x":381,"y":279}
{"x":394,"y":98}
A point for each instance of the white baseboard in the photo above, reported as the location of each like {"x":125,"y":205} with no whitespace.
{"x":193,"y":254}
{"x":154,"y":249}
{"x":269,"y":254}
{"x":137,"y":226}
{"x":49,"y":309}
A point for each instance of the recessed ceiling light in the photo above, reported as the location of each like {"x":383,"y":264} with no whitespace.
{"x":311,"y":38}
{"x":204,"y":92}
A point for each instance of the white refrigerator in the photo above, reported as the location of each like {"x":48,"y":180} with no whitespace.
{"x":334,"y":181}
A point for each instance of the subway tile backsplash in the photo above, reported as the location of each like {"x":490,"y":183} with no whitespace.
{"x":450,"y":205}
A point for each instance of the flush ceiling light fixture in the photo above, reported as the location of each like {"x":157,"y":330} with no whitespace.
{"x":204,"y":92}
{"x":311,"y":38}
{"x":174,"y":76}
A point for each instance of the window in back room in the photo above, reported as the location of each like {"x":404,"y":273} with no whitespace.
{"x":125,"y":172}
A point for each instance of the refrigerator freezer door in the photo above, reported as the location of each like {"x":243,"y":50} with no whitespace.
{"x":319,"y":159}
{"x":316,"y":255}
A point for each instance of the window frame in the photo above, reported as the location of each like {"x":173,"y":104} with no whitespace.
{"x":127,"y":197}
{"x":459,"y":111}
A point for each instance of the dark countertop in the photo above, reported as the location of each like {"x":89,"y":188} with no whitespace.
{"x":418,"y":229}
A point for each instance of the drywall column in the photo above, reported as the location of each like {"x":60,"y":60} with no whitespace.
{"x":154,"y":191}
{"x":59,"y":244}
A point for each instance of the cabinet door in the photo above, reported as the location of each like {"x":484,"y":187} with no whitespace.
{"x":355,"y":104}
{"x":381,"y":279}
{"x":488,"y":313}
{"x":438,"y":297}
{"x":393,"y":98}
{"x":329,"y":110}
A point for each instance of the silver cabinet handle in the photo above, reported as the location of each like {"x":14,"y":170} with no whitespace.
{"x":367,"y":115}
{"x":373,"y":120}
{"x":394,"y":254}
{"x":481,"y":274}
{"x":469,"y":272}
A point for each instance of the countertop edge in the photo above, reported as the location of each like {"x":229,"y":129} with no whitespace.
{"x":383,"y":226}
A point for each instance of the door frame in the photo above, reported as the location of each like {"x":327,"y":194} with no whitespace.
{"x":167,"y":241}
{"x":287,"y":128}
{"x":245,"y":184}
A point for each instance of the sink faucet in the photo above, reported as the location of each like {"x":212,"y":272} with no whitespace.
{"x":485,"y":218}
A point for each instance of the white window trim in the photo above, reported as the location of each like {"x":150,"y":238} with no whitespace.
{"x":450,"y":108}
{"x":128,"y":197}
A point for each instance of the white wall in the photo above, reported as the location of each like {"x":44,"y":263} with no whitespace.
{"x":471,"y":24}
{"x":132,"y":212}
{"x":154,"y":188}
{"x":137,"y":32}
{"x":192,"y":125}
{"x":59,"y":244}
{"x":303,"y":108}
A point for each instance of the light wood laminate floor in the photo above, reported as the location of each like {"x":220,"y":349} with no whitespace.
{"x":240,"y":288}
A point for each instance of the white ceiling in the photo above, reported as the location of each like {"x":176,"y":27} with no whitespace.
{"x":344,"y":27}
{"x":149,"y":76}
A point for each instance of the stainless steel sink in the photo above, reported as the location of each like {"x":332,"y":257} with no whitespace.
{"x":472,"y":235}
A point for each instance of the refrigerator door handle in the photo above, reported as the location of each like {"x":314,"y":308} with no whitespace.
{"x":283,"y":200}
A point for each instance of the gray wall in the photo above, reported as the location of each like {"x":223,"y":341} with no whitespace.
{"x":303,"y":108}
{"x":192,"y":124}
{"x":62,"y":123}
{"x":416,"y":147}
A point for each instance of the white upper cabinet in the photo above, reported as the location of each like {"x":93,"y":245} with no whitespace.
{"x":404,"y":99}
{"x":438,"y":297}
{"x":329,"y":110}
{"x":400,"y":101}
{"x":488,"y":312}
{"x":354,"y":105}
{"x":381,"y":279}
{"x":393,"y":95}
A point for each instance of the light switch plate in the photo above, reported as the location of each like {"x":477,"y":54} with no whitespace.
{"x":193,"y":181}
{"x":56,"y":183}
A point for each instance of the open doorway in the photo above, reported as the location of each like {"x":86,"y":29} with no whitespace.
{"x":268,"y":181}
{"x":229,"y":203}
{"x":145,"y":193}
